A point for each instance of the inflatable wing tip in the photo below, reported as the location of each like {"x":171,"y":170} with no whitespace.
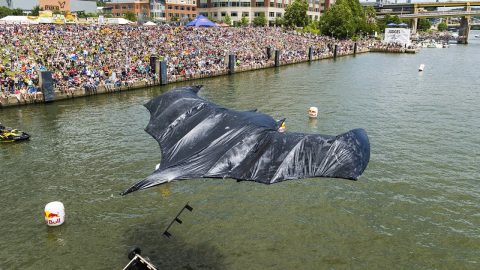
{"x":364,"y":148}
{"x":131,"y":189}
{"x":196,"y":88}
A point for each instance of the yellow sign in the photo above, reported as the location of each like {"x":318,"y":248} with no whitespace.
{"x":70,"y":18}
{"x":45,"y":14}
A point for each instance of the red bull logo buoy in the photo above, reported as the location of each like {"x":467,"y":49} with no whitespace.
{"x":54,"y":214}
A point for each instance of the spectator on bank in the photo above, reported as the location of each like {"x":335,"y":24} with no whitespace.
{"x":86,"y":57}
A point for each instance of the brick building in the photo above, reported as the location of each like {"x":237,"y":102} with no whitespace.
{"x":180,"y":9}
{"x":141,"y":8}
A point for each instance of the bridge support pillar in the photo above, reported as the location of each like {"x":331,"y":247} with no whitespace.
{"x":463,"y":30}
{"x":414,"y":25}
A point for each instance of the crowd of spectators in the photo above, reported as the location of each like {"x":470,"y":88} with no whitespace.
{"x":440,"y":37}
{"x":89,"y":56}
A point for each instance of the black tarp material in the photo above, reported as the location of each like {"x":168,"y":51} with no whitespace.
{"x":201,"y":139}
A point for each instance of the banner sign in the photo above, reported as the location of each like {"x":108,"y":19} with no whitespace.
{"x":397,"y":35}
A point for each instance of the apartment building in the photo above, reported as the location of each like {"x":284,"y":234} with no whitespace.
{"x":236,"y":9}
{"x":181,"y":9}
{"x":157,"y":10}
{"x":141,"y":8}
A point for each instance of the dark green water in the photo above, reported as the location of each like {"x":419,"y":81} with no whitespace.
{"x":417,"y":206}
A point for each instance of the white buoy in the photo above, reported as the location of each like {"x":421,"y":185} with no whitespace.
{"x":313,"y":112}
{"x":54,"y":214}
{"x":421,"y":67}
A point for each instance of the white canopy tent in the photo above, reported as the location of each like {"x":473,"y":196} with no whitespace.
{"x":117,"y":21}
{"x":149,"y":23}
{"x":17,"y":20}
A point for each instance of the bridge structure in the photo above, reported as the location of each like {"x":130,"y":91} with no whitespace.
{"x":414,"y":11}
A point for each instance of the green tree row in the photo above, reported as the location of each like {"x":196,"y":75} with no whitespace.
{"x":4,"y":12}
{"x":345,"y":19}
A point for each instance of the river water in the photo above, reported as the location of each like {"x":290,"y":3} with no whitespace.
{"x":417,"y":206}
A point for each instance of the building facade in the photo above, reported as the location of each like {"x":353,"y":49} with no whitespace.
{"x":236,"y":9}
{"x":89,"y":6}
{"x":184,"y":10}
{"x":157,"y":10}
{"x":54,"y":5}
{"x":141,"y":8}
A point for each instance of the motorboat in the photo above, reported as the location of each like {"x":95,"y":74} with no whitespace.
{"x":12,"y":135}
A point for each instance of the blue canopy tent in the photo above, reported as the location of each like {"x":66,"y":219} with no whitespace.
{"x":392,"y":24}
{"x":201,"y":21}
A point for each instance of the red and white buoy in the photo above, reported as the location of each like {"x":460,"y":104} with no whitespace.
{"x":54,"y":213}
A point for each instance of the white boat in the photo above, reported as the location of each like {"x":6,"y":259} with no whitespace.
{"x":421,"y":67}
{"x":431,"y":44}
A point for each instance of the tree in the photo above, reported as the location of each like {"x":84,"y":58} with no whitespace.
{"x":442,"y":26}
{"x":81,"y":14}
{"x":382,"y":24}
{"x":424,"y":24}
{"x":370,"y":25}
{"x":312,"y":28}
{"x":211,"y":18}
{"x":130,"y":16}
{"x":260,"y":20}
{"x":227,"y":20}
{"x":4,"y":11}
{"x":100,"y":3}
{"x":244,"y":21}
{"x":347,"y":18}
{"x":296,"y":14}
{"x":279,"y":21}
{"x":17,"y":12}
{"x":35,"y":11}
{"x":338,"y":22}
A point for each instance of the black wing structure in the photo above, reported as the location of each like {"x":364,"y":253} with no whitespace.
{"x":201,"y":139}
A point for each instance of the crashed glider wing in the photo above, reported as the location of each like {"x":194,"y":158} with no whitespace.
{"x":201,"y":139}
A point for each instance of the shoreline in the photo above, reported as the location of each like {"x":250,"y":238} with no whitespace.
{"x":14,"y":101}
